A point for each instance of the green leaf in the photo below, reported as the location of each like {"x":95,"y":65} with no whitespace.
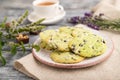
{"x":1,"y":35}
{"x":2,"y":59}
{"x":3,"y":23}
{"x":2,"y":43}
{"x":13,"y":49}
{"x":23,"y":48}
{"x":5,"y":20}
{"x":37,"y":47}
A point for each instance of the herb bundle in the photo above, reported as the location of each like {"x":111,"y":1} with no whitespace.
{"x":9,"y":31}
{"x":96,"y":22}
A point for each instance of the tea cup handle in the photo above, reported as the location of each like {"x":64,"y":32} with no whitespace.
{"x":60,"y":8}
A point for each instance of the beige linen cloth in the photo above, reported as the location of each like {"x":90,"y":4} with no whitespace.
{"x":110,"y":8}
{"x":107,"y":70}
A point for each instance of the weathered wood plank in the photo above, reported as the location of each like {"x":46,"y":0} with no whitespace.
{"x":14,"y":8}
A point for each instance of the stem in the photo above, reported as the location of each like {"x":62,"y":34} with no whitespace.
{"x":28,"y":29}
{"x":35,"y":23}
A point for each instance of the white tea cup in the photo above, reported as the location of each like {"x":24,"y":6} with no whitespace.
{"x":46,"y":8}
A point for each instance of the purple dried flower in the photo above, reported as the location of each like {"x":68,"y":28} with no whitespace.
{"x":83,"y":20}
{"x":88,"y":14}
{"x":93,"y":26}
{"x":96,"y":27}
{"x":89,"y":25}
{"x":75,"y":19}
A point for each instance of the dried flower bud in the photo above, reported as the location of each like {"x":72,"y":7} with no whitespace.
{"x":22,"y":38}
{"x":74,"y":20}
{"x":88,"y":14}
{"x":11,"y":43}
{"x":7,"y":25}
{"x":93,"y":26}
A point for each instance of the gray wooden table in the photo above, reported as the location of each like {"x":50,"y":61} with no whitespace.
{"x":14,"y":8}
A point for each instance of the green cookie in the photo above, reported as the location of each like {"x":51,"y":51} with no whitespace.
{"x":66,"y":57}
{"x":80,"y":32}
{"x":46,"y":35}
{"x":60,"y":42}
{"x":67,"y":30}
{"x":44,"y":45}
{"x":88,"y":46}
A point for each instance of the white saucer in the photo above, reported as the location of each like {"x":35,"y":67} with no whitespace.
{"x":51,"y":20}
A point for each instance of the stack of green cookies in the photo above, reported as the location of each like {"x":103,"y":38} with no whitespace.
{"x":72,"y":44}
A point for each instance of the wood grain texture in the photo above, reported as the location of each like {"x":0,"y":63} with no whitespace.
{"x":14,"y":8}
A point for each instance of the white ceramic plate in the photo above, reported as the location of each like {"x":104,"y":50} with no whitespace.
{"x":52,"y":20}
{"x":44,"y":56}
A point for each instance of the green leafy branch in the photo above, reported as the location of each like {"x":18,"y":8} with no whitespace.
{"x":9,"y":31}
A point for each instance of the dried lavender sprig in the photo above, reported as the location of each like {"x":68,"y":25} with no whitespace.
{"x":105,"y":24}
{"x":35,"y":23}
{"x":97,"y":22}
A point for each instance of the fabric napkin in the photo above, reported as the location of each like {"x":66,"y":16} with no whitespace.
{"x":110,"y":9}
{"x":107,"y":70}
